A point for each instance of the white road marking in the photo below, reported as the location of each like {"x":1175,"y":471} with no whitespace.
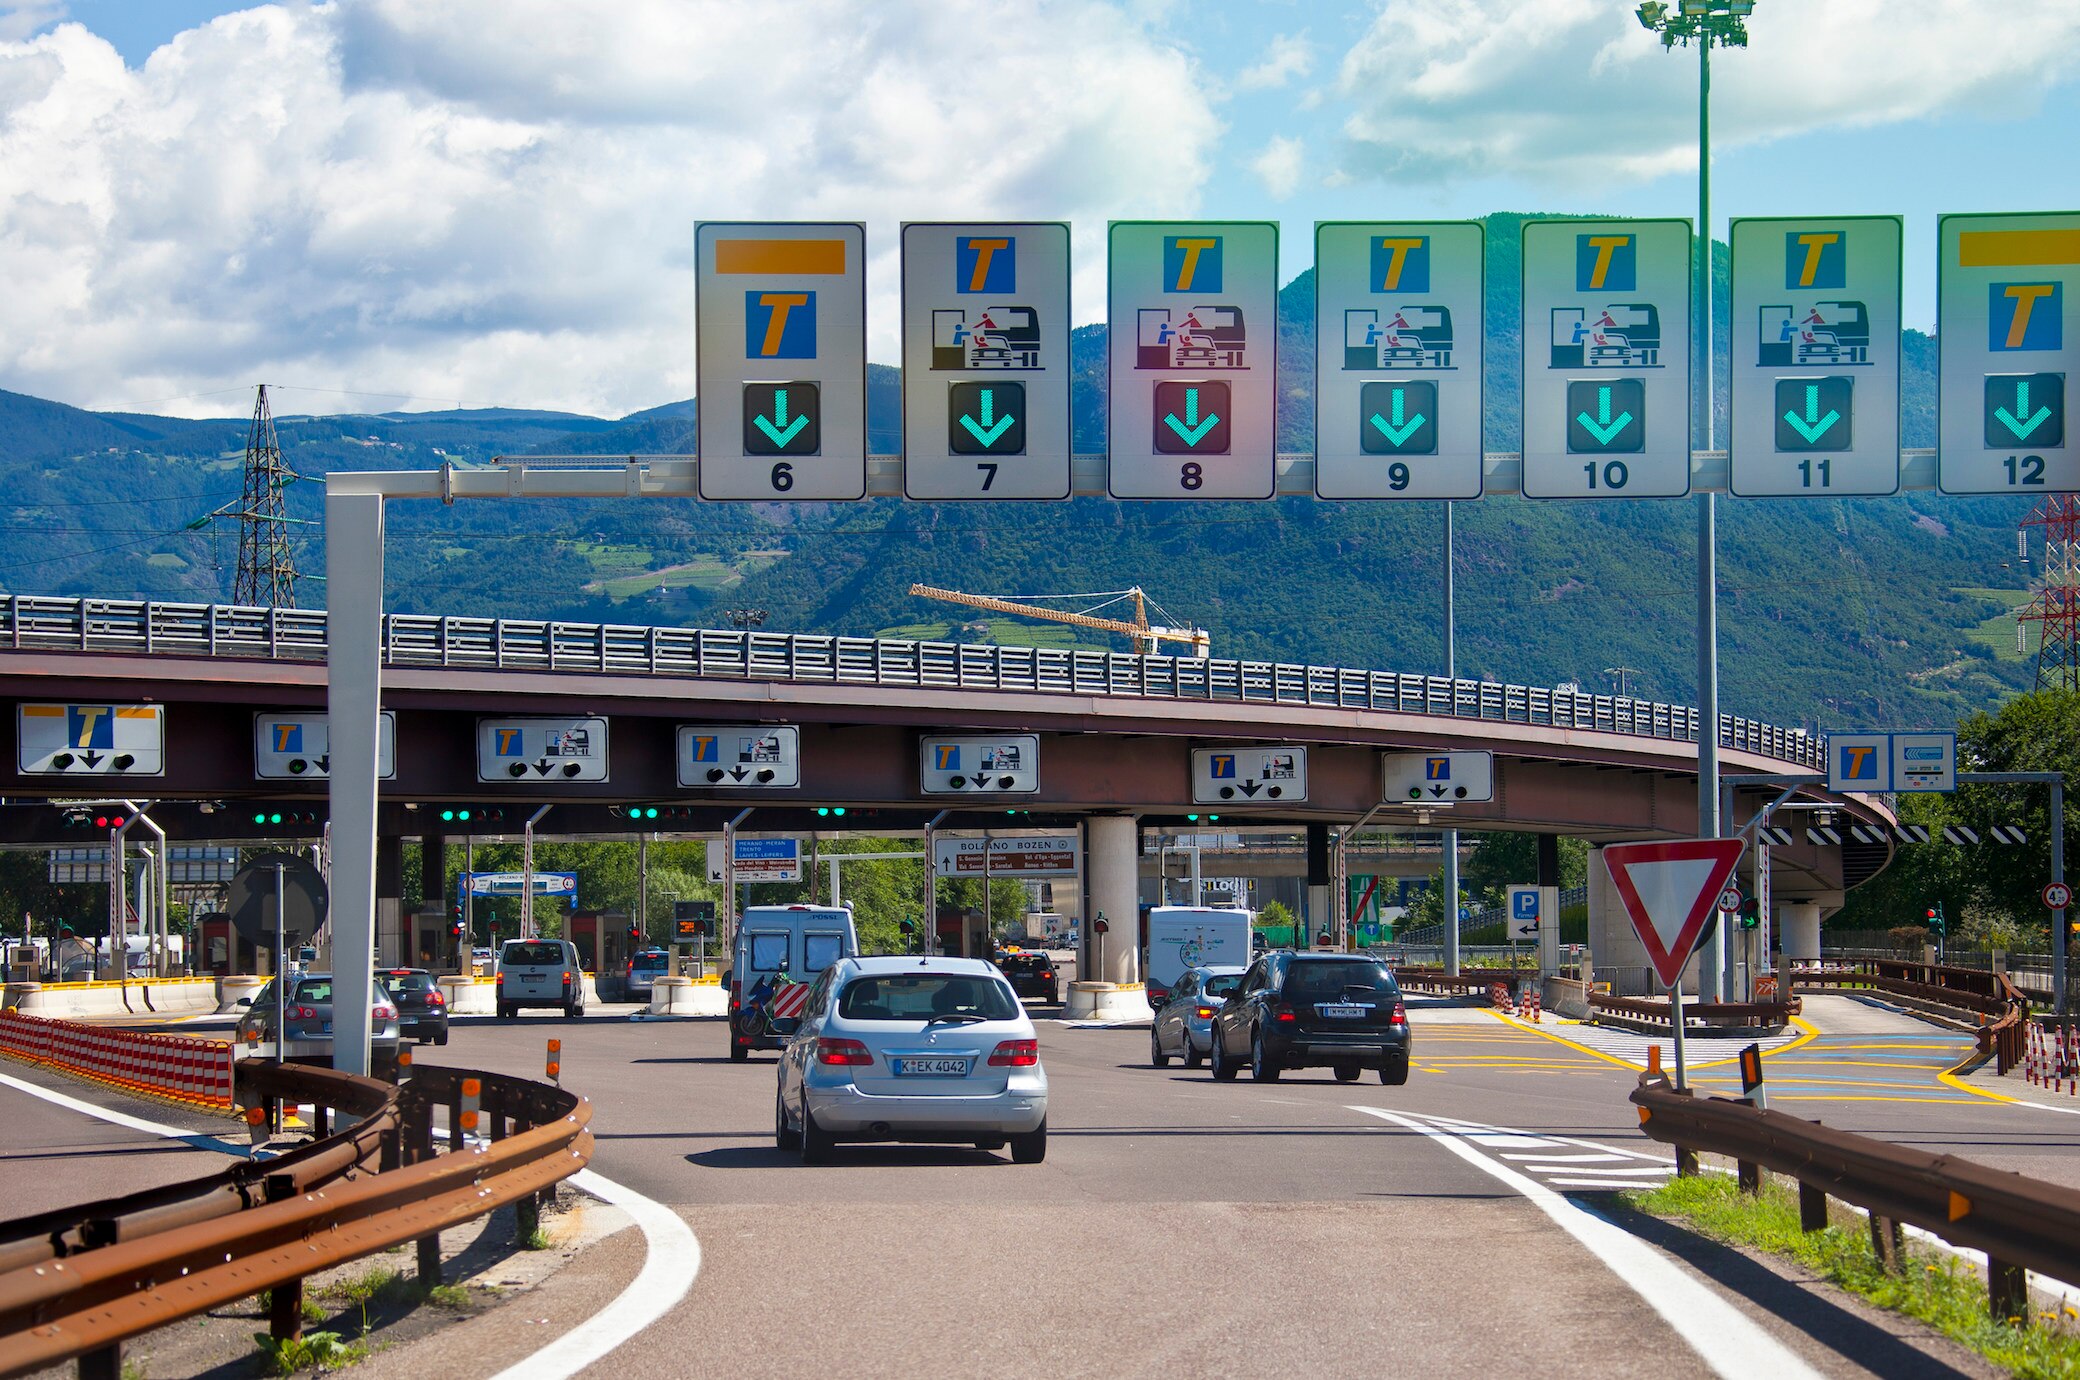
{"x":199,"y":1139}
{"x":1559,"y":1159}
{"x":1727,"y":1340}
{"x":1598,"y":1183}
{"x":1606,"y":1173}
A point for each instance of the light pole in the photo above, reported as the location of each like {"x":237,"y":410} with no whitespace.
{"x":1705,"y":22}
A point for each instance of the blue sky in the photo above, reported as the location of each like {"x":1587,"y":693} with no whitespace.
{"x":491,"y":201}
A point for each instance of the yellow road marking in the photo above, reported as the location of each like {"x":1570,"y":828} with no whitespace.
{"x":1516,"y":1024}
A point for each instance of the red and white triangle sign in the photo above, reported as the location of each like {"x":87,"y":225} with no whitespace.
{"x":1669,"y":891}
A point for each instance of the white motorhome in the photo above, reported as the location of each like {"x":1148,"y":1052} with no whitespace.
{"x":1181,"y":937}
{"x":798,"y":942}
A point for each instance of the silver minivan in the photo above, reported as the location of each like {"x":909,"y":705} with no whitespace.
{"x":540,"y":972}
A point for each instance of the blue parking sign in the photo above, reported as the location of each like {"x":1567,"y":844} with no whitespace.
{"x":1523,"y":905}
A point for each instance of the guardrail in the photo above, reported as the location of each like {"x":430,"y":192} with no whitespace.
{"x":79,"y":1282}
{"x":2020,"y":1223}
{"x":1736,"y":1014}
{"x":2000,"y":1009}
{"x":37,"y":622}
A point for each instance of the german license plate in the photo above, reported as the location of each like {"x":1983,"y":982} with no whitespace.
{"x":936,"y":1067}
{"x":1344,"y":1011}
{"x":325,"y":1029}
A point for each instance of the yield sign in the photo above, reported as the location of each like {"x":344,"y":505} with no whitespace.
{"x":1669,"y":890}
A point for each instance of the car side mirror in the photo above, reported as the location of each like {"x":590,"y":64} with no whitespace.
{"x":245,"y":1001}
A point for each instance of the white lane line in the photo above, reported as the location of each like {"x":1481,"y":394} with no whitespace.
{"x":1559,"y":1159}
{"x":199,"y":1139}
{"x":1729,"y":1342}
{"x":672,"y":1258}
{"x":672,"y":1253}
{"x":1605,"y":1173}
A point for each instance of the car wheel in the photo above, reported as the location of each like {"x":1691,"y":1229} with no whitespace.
{"x":1156,"y":1056}
{"x":1262,"y":1067}
{"x":816,"y":1142}
{"x":1031,"y":1147}
{"x":1394,"y":1072}
{"x":441,"y":1038}
{"x":1222,"y":1069}
{"x":505,"y":1011}
{"x":1347,"y":1073}
{"x":737,"y":1053}
{"x":785,"y":1137}
{"x":1192,"y":1057}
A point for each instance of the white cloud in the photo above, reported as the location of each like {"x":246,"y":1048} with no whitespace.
{"x":1278,"y":166}
{"x":1567,"y":90}
{"x":20,"y":18}
{"x":1289,"y":57}
{"x":494,"y":200}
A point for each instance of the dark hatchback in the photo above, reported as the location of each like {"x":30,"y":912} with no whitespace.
{"x":1031,"y":975}
{"x":422,"y":1012}
{"x":1297,"y":1011}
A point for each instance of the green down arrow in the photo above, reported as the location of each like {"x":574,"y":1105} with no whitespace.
{"x":987,"y":431}
{"x":1604,"y":428}
{"x":779,"y":430}
{"x":1193,"y":428}
{"x":2013,"y":420}
{"x":1813,"y":426}
{"x":1398,"y":432}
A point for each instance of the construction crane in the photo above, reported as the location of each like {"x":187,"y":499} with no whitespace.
{"x":1148,"y":637}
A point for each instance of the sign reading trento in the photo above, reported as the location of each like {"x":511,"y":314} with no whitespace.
{"x":2009,"y":350}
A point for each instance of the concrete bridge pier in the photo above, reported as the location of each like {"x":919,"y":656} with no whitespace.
{"x":1799,"y":923}
{"x":1109,"y":969}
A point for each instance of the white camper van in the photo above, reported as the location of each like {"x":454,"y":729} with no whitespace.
{"x":1181,"y":937}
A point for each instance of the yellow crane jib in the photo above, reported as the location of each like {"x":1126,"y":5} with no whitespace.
{"x":1148,"y":637}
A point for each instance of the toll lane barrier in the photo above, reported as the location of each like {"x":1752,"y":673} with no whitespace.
{"x":172,"y":1068}
{"x":140,"y":997}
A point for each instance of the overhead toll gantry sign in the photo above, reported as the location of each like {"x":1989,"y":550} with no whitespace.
{"x":986,"y":361}
{"x":1816,"y":356}
{"x":780,"y":318}
{"x":1606,"y":389}
{"x":2009,"y":345}
{"x":1193,"y":359}
{"x":1398,"y":359}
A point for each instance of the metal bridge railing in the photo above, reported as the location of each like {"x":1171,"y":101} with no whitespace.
{"x":36,"y":622}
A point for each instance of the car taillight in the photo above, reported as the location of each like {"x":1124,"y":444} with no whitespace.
{"x":830,"y":1051}
{"x":384,"y":1013}
{"x":1205,"y":1013}
{"x":436,"y":999}
{"x":303,"y":1013}
{"x":1400,"y":1014}
{"x":566,"y":979}
{"x":1015,"y":1054}
{"x":734,"y":1003}
{"x":1284,"y":1015}
{"x":499,"y":980}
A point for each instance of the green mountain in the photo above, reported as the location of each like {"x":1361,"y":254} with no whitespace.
{"x":1885,"y":612}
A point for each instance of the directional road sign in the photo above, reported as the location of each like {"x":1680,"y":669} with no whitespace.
{"x":1816,"y":356}
{"x":297,"y":747}
{"x":780,"y":320}
{"x":1606,"y":390}
{"x":740,"y":756}
{"x":1053,"y":855}
{"x":541,"y":750}
{"x":1669,"y":890}
{"x":1398,"y":359}
{"x":91,"y":739}
{"x":1241,"y":776}
{"x":986,"y":361}
{"x":759,"y":860}
{"x":1193,"y":359}
{"x":1891,"y":762}
{"x":1005,"y":765}
{"x":1438,"y":778}
{"x":2009,"y":350}
{"x":1924,"y":761}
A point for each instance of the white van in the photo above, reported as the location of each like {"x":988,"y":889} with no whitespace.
{"x":1181,"y":937}
{"x":778,"y":947}
{"x":540,"y":972}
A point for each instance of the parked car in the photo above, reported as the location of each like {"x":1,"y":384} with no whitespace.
{"x":1184,"y":1025}
{"x":540,"y":972}
{"x":936,"y":1050}
{"x":1313,"y":1010}
{"x":644,"y":968}
{"x":307,"y":1019}
{"x":422,"y":1009}
{"x":1031,"y":975}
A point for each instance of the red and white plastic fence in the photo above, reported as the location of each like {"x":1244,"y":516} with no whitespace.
{"x":1498,"y":994}
{"x":2051,"y":1059}
{"x":177,"y":1068}
{"x":1531,"y":1004}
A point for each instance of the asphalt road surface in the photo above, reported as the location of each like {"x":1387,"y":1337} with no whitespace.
{"x":1463,"y":1222}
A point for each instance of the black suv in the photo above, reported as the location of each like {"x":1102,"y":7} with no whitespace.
{"x":422,"y":1012}
{"x":1296,"y":1011}
{"x":1031,"y":975}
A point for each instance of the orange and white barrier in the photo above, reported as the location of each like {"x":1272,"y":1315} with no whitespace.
{"x":174,"y":1068}
{"x":1531,"y":1005}
{"x":2051,"y":1058}
{"x":1498,"y":995}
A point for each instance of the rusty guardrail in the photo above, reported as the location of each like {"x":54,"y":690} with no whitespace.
{"x":78,"y":1282}
{"x":1474,"y":981}
{"x":2001,"y":1009}
{"x":1759,"y":1014}
{"x":2020,"y":1223}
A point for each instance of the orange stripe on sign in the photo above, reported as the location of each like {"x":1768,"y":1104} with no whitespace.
{"x":2017,"y":248}
{"x":137,"y":711}
{"x":43,"y":711}
{"x":779,"y":256}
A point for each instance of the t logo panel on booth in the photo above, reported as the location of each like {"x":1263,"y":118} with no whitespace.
{"x":1606,"y":263}
{"x":1401,"y":263}
{"x":2025,"y":316}
{"x":1816,"y":259}
{"x":1192,"y":263}
{"x":985,"y":264}
{"x":780,"y":325}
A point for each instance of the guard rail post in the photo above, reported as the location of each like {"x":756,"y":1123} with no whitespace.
{"x":2007,"y":1291}
{"x":105,"y":1363}
{"x":1812,"y":1207}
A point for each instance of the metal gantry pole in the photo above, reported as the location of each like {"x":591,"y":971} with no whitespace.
{"x":1449,"y":839}
{"x":354,"y":683}
{"x":2058,"y":917}
{"x":1712,"y":970}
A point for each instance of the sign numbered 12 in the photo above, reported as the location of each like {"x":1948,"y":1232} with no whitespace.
{"x":1192,"y":359}
{"x":780,"y":319}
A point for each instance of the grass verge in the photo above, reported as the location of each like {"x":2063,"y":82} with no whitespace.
{"x":1935,"y":1287}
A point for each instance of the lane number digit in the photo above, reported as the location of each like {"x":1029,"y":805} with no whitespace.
{"x":783,"y":477}
{"x":2030,"y":470}
{"x":1397,"y":476}
{"x":989,"y":473}
{"x":1805,"y":473}
{"x":1614,"y":474}
{"x":1191,"y":476}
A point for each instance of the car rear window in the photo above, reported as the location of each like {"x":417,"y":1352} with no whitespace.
{"x":314,"y":991}
{"x":1025,"y":963}
{"x":926,"y":996}
{"x":1225,"y":985}
{"x":526,"y":953}
{"x":1314,"y":980}
{"x":651,"y":963}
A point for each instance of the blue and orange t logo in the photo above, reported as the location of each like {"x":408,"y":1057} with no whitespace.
{"x":1859,"y":762}
{"x":90,"y":725}
{"x":780,"y":325}
{"x":1191,"y":263}
{"x":1400,"y":263}
{"x":982,"y":264}
{"x":1437,"y":768}
{"x":946,"y":756}
{"x":2026,"y":316}
{"x":510,"y":743}
{"x":288,"y":737}
{"x":1606,"y":263}
{"x":1816,"y":259}
{"x":704,"y":748}
{"x":1223,"y":766}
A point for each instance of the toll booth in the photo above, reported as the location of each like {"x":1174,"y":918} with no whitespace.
{"x":224,"y":951}
{"x":953,"y":922}
{"x":603,"y":945}
{"x":430,"y":941}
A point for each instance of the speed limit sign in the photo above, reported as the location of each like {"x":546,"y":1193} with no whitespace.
{"x":1730,"y":900}
{"x":2057,"y":896}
